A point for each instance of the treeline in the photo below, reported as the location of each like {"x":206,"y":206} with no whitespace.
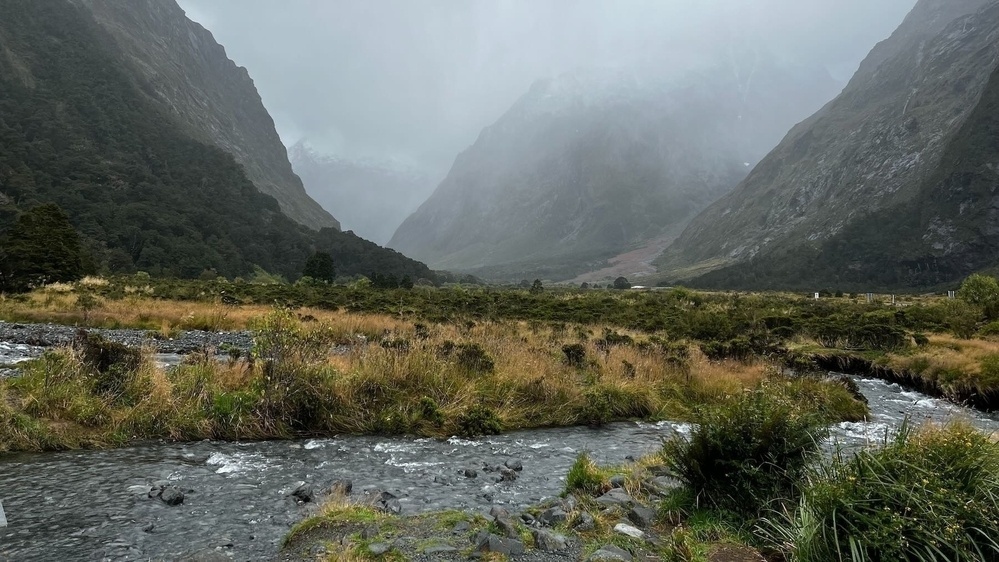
{"x":78,"y":131}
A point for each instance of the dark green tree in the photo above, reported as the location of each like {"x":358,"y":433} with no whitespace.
{"x":42,"y":247}
{"x":622,"y":283}
{"x":320,"y":267}
{"x":537,"y":288}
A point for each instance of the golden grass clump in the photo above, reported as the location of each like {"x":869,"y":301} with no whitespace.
{"x":320,"y":372}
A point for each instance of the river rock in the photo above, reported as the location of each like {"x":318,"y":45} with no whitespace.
{"x":626,"y":529}
{"x":172,"y":495}
{"x":438,"y":550}
{"x":610,"y":553}
{"x":379,"y":548}
{"x":388,"y":503}
{"x":616,"y":498}
{"x":514,"y":464}
{"x":369,"y":533}
{"x":584,"y":522}
{"x":470,"y":473}
{"x":507,"y":475}
{"x":548,"y":541}
{"x":642,"y":516}
{"x":503,"y":521}
{"x":552,"y":516}
{"x":495,"y":543}
{"x":303,"y":493}
{"x":342,"y":486}
{"x":617,"y":481}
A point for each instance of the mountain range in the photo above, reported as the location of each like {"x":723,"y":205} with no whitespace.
{"x":892,"y":184}
{"x":588,"y":165}
{"x":131,"y":118}
{"x":373,"y":196}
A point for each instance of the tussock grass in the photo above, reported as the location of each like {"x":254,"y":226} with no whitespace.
{"x":929,"y":495}
{"x":340,"y":372}
{"x":335,"y":509}
{"x":955,"y":364}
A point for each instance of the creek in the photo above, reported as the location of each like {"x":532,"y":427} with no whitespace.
{"x":93,"y":505}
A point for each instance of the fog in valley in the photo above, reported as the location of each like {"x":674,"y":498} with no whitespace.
{"x":380,"y":96}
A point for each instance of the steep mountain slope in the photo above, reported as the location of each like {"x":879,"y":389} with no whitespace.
{"x":888,"y":185}
{"x":77,"y":129}
{"x":588,"y":165}
{"x":182,"y":68}
{"x":372,"y":198}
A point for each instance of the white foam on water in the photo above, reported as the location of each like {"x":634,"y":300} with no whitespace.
{"x":393,"y":447}
{"x":409,"y":467}
{"x":236,"y":463}
{"x":455,"y":440}
{"x":316,"y":444}
{"x":871,"y":432}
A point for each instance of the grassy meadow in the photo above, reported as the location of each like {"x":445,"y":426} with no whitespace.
{"x":334,"y":359}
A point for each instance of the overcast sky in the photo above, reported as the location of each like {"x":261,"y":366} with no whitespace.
{"x":418,"y":79}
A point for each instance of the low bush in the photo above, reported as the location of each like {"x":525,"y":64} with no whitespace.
{"x":575,"y":354}
{"x":927,"y":495}
{"x":745,"y":454}
{"x":473,"y":358}
{"x":584,"y":476}
{"x":478,"y":420}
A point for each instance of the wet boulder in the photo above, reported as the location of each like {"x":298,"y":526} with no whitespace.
{"x":171,"y":495}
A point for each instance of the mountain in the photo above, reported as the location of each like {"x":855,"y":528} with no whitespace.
{"x":82,"y":128}
{"x":592,"y":164}
{"x":371,"y":197}
{"x":181,"y":68}
{"x":892,"y":184}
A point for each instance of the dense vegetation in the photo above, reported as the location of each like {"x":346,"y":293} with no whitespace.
{"x":78,"y":131}
{"x":349,"y":373}
{"x":42,"y":247}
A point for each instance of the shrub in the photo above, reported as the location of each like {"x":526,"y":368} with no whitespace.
{"x":473,"y":358}
{"x":575,"y":354}
{"x":431,"y":411}
{"x":747,"y":453}
{"x":113,"y":365}
{"x":926,"y":495}
{"x":596,"y":410}
{"x":479,"y":420}
{"x":583,"y":476}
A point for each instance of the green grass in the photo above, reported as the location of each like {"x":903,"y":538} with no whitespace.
{"x":750,"y":451}
{"x":927,"y":495}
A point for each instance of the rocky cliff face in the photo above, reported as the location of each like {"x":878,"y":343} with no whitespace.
{"x":183,"y":69}
{"x":853,"y":195}
{"x":371,"y":197}
{"x":586,"y":166}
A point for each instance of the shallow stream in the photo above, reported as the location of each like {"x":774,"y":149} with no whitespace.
{"x":93,"y":505}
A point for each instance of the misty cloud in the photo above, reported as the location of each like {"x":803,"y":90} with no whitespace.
{"x":417,"y":80}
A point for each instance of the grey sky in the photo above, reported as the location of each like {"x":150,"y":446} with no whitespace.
{"x":418,"y":79}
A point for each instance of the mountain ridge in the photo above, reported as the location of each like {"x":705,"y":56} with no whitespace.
{"x":143,"y":193}
{"x":183,"y":68}
{"x":867,"y":153}
{"x":372,"y":196}
{"x":573,"y":174}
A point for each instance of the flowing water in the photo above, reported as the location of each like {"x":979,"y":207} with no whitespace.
{"x":93,"y":505}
